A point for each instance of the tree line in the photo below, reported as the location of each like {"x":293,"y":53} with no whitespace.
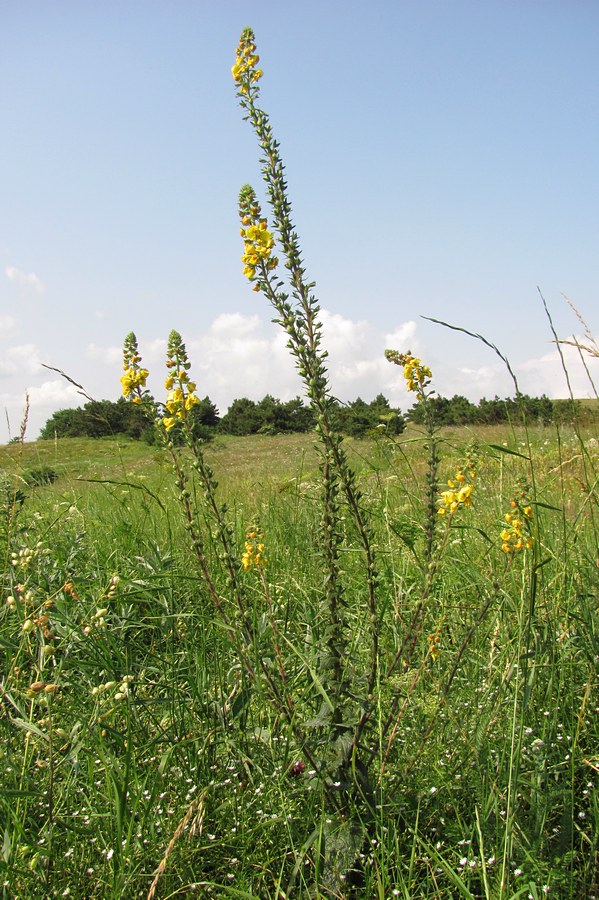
{"x":102,"y":418}
{"x":244,"y":416}
{"x":541,"y":410}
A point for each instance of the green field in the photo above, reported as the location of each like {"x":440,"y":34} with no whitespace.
{"x":140,"y":758}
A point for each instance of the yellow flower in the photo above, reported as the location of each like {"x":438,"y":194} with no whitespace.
{"x":258,"y":244}
{"x":416,"y":374}
{"x":513,"y":538}
{"x":174,"y":400}
{"x":452,"y":500}
{"x":169,"y":422}
{"x":133,"y":380}
{"x":244,"y":69}
{"x":254,"y":549}
{"x":464,"y":495}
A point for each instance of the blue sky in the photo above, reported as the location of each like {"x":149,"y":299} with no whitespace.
{"x":441,"y":160}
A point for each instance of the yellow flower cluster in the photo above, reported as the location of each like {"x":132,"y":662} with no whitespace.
{"x":258,"y":244}
{"x":517,"y":535}
{"x":416,"y":374}
{"x":460,"y":490}
{"x":254,"y":549}
{"x":132,"y":381}
{"x":181,"y":397}
{"x":244,"y":71}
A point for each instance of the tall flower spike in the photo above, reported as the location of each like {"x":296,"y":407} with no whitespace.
{"x":258,"y":241}
{"x":245,"y":71}
{"x":181,"y":397}
{"x":133,"y":380}
{"x":417,"y":375}
{"x":461,"y":489}
{"x":254,"y":550}
{"x":517,"y":535}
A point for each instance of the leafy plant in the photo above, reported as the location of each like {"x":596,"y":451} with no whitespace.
{"x":39,"y":476}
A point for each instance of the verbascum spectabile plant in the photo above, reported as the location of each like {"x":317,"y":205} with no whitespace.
{"x":349,"y":684}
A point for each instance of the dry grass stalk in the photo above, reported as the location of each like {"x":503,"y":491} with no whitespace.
{"x":195,"y":816}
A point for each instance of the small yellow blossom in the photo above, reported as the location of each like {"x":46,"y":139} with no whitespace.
{"x":181,"y":390}
{"x":244,"y":69}
{"x":253,"y":555}
{"x":258,"y":241}
{"x":417,"y":375}
{"x":133,"y":380}
{"x":456,"y":497}
{"x":517,"y":536}
{"x":258,"y":244}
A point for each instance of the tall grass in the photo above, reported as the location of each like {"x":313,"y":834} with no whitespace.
{"x":486,"y":781}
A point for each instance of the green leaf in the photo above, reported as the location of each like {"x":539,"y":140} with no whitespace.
{"x":343,"y":843}
{"x":406,"y":531}
{"x":507,"y":450}
{"x":545,"y":506}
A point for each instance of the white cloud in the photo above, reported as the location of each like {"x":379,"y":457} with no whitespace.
{"x":472,"y":382}
{"x":23,"y":359}
{"x":110,"y":356}
{"x":25,"y":279}
{"x":7,"y":324}
{"x":53,"y":394}
{"x":235,"y":323}
{"x":536,"y":376}
{"x":545,"y":374}
{"x":44,"y":400}
{"x":403,"y":338}
{"x":242,"y":355}
{"x":357,"y":363}
{"x":154,"y":351}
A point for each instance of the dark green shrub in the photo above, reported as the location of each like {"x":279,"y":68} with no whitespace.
{"x":39,"y":476}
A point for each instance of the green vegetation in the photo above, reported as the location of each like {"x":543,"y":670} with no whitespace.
{"x":491,"y":759}
{"x":269,"y":416}
{"x":356,"y":419}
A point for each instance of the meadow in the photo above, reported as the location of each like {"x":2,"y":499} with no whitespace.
{"x":134,"y":744}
